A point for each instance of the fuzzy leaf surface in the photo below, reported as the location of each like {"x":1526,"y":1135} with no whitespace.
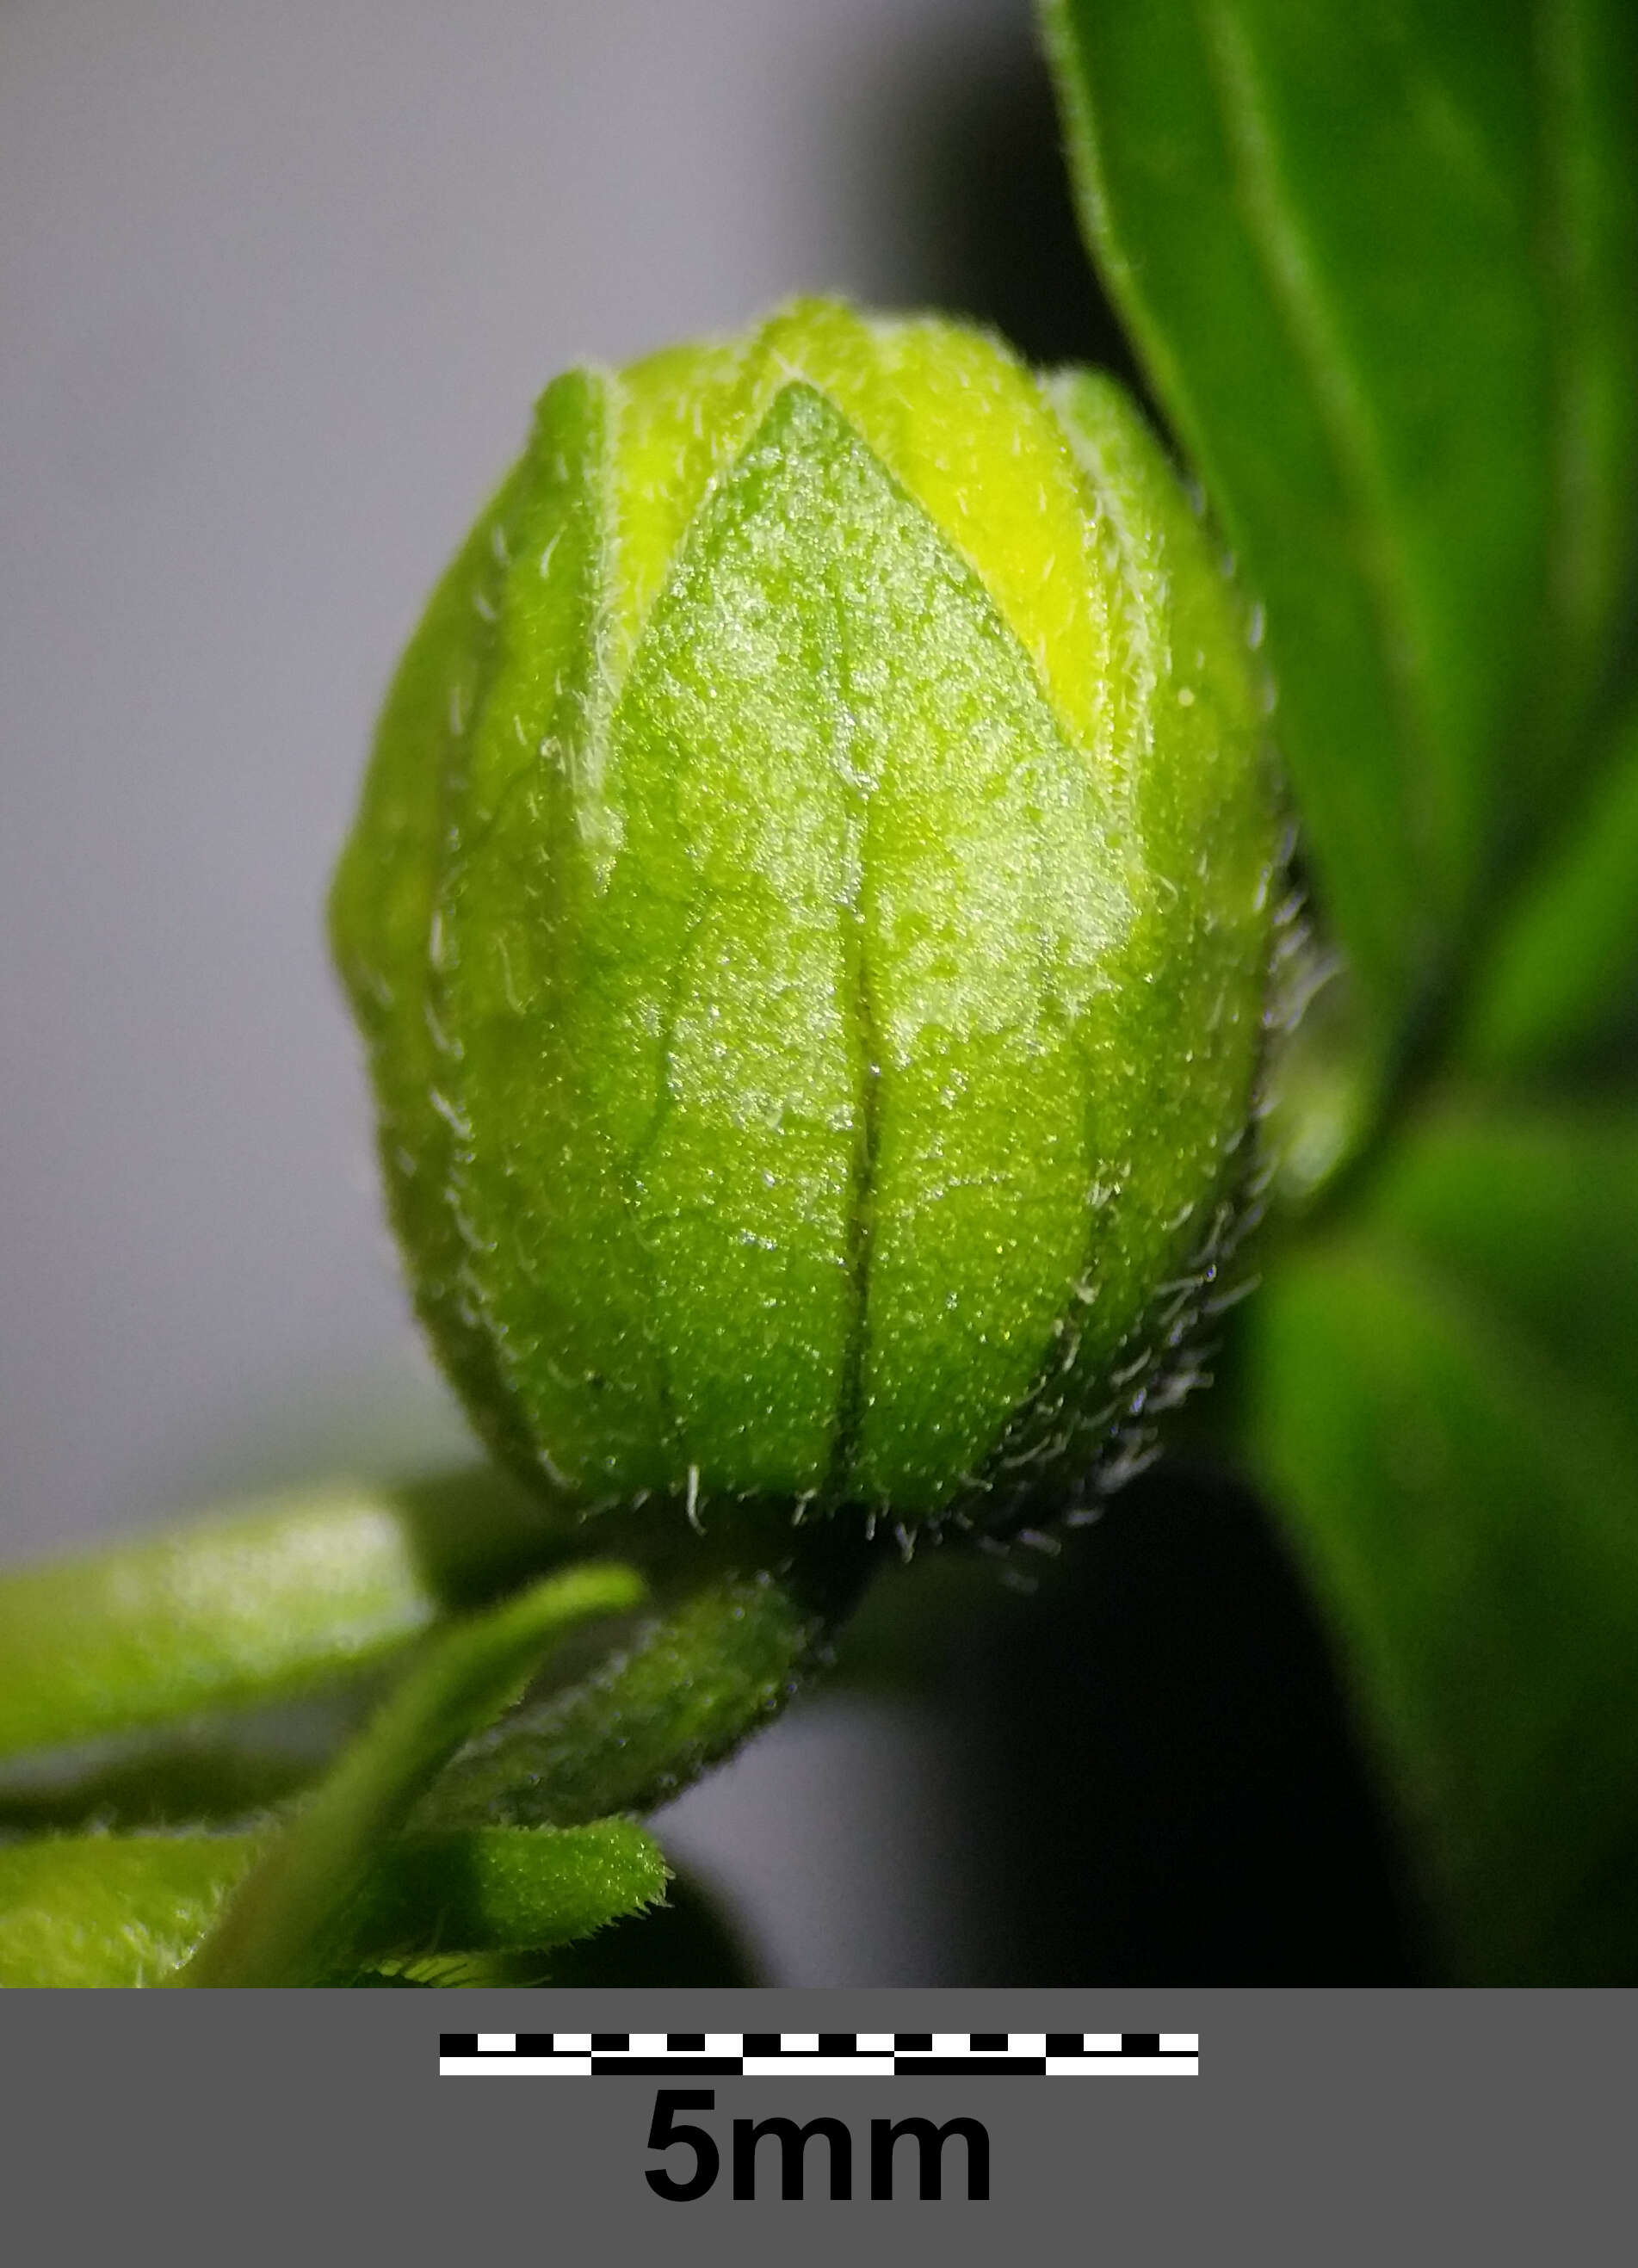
{"x":121,"y":1910}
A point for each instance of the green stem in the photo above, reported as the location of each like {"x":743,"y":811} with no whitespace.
{"x":718,"y":1663}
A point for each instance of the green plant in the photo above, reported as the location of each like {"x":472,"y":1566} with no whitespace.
{"x":1379,"y":269}
{"x":809,"y":911}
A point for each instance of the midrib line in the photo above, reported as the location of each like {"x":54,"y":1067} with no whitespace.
{"x":863,"y":1030}
{"x":1345,"y":418}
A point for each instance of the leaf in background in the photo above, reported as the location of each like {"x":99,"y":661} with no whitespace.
{"x":1558,"y":991}
{"x":262,"y":1602}
{"x":291,"y":1920}
{"x":1379,"y":265}
{"x":1444,"y":1402}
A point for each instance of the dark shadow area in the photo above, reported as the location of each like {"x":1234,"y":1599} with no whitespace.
{"x":1167,"y":1790}
{"x":957,"y":153}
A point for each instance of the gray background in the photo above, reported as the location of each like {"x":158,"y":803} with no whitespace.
{"x":1324,"y":2127}
{"x":277,"y":287}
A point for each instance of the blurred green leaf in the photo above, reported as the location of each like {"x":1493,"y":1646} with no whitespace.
{"x":1379,"y":265}
{"x":268,"y":1600}
{"x":113,"y":1910}
{"x":1558,"y":991}
{"x":1444,"y":1399}
{"x":189,"y":1782}
{"x":293,"y":1919}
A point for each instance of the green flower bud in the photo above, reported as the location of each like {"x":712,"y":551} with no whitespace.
{"x":809,"y":912}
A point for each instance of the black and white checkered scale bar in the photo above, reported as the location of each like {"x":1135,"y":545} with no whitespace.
{"x":818,"y":2055}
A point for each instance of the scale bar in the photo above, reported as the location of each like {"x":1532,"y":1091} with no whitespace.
{"x":819,"y":2054}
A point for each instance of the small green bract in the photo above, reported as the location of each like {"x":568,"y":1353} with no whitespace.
{"x":809,"y":912}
